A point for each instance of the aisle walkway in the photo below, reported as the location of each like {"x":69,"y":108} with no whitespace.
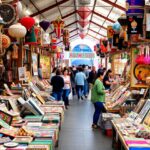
{"x":76,"y":132}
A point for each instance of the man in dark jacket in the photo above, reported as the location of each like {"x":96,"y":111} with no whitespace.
{"x":92,"y":75}
{"x":58,"y":83}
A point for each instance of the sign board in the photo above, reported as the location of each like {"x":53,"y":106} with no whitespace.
{"x":82,"y":55}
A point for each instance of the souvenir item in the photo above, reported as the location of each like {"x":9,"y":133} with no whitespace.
{"x":5,"y":117}
{"x":84,"y":12}
{"x":9,"y":132}
{"x":44,"y":25}
{"x":5,"y":41}
{"x":8,"y":13}
{"x":4,"y":140}
{"x":135,"y":24}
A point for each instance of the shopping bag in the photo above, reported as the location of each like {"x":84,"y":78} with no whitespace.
{"x":70,"y":97}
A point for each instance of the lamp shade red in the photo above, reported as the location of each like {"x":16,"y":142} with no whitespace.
{"x":28,"y":22}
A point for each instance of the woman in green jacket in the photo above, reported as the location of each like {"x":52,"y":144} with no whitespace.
{"x":98,"y":98}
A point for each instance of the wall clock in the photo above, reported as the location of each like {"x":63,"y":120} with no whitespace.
{"x":8,"y":13}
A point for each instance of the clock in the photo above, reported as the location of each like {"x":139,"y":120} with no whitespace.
{"x":8,"y":13}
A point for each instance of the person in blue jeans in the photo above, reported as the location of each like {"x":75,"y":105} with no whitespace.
{"x":80,"y":81}
{"x":67,"y":87}
{"x":98,"y":98}
{"x":57,"y":83}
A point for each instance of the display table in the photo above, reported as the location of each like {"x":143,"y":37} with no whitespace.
{"x":119,"y":141}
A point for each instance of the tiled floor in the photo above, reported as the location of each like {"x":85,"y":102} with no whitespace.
{"x":76,"y":132}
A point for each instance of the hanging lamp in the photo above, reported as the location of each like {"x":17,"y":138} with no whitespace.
{"x":83,"y":23}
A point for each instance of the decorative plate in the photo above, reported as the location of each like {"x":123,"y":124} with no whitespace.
{"x":11,"y":144}
{"x":8,"y":13}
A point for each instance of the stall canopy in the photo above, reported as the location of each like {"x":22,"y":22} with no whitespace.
{"x":103,"y":13}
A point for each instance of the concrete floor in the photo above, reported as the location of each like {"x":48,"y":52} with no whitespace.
{"x":76,"y":132}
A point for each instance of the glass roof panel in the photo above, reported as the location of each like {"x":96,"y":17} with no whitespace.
{"x":97,"y":19}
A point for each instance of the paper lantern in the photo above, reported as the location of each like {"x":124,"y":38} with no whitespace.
{"x":17,"y":31}
{"x":116,"y":27}
{"x":83,"y":23}
{"x":28,"y":22}
{"x":82,"y":35}
{"x":5,"y":41}
{"x":44,"y":25}
{"x":30,"y":37}
{"x":84,"y":12}
{"x":58,"y":26}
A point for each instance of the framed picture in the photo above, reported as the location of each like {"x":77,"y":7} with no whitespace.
{"x":35,"y":64}
{"x":139,"y":72}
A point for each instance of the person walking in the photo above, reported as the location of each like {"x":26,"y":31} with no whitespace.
{"x":66,"y":88}
{"x":80,"y":81}
{"x":92,"y":75}
{"x":57,"y":83}
{"x":98,"y":98}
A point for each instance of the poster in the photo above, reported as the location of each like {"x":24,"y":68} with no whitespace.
{"x":22,"y":73}
{"x":139,"y":72}
{"x":35,"y":64}
{"x":45,"y":66}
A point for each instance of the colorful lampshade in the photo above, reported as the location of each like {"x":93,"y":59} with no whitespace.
{"x":28,"y":22}
{"x":84,"y":12}
{"x":17,"y":31}
{"x":58,"y":26}
{"x":44,"y":25}
{"x":83,"y":23}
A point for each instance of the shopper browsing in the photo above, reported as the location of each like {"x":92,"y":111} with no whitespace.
{"x":98,"y":98}
{"x":67,"y":87}
{"x":57,"y":83}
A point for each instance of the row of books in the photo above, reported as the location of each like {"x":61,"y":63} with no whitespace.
{"x":33,"y":120}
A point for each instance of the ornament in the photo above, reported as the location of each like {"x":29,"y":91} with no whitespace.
{"x":30,"y":37}
{"x":136,"y":51}
{"x":17,"y":31}
{"x":44,"y":25}
{"x":46,"y":39}
{"x":58,"y":26}
{"x":116,"y":27}
{"x":84,"y":12}
{"x":5,"y":41}
{"x":82,"y":35}
{"x":28,"y":22}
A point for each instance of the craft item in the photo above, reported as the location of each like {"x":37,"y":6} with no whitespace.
{"x":44,"y":25}
{"x":9,"y":132}
{"x":5,"y":117}
{"x":40,"y":147}
{"x":24,"y":132}
{"x":4,"y":124}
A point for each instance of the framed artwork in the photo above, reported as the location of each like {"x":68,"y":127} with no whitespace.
{"x":35,"y":64}
{"x":139,"y":72}
{"x":45,"y":66}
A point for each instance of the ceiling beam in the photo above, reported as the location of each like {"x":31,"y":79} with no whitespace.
{"x":69,"y":37}
{"x":114,"y":4}
{"x":49,"y":8}
{"x":71,"y":24}
{"x":73,"y":30}
{"x":93,"y":36}
{"x":97,"y":33}
{"x":68,"y":15}
{"x":98,"y":25}
{"x":106,"y":18}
